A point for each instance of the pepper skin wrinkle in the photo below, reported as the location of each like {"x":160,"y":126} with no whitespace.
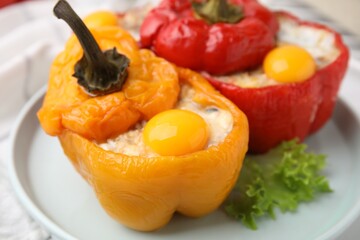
{"x":151,"y":87}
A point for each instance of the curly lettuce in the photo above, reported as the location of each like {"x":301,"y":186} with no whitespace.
{"x":281,"y":178}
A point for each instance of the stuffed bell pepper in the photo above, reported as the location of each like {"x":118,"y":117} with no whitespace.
{"x":150,"y":138}
{"x":283,"y":73}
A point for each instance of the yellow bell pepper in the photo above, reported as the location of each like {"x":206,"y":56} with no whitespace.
{"x":143,"y":193}
{"x":140,"y":192}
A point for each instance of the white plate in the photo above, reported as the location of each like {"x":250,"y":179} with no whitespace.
{"x":55,"y":195}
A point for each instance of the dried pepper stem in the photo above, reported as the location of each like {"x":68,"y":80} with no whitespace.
{"x":215,"y":11}
{"x":99,"y":73}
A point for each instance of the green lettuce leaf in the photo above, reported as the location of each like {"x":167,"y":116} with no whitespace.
{"x":281,"y":178}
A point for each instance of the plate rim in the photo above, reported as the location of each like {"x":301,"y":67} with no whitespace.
{"x":18,"y":188}
{"x":55,"y":230}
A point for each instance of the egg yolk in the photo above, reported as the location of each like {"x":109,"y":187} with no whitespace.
{"x":289,"y":64}
{"x":176,"y":132}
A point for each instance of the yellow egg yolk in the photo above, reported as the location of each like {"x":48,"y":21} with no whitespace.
{"x":289,"y":64}
{"x":176,"y":132}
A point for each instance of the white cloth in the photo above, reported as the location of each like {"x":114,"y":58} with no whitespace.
{"x":30,"y":38}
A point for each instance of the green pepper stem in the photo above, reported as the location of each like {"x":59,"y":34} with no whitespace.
{"x":215,"y":11}
{"x":98,"y":72}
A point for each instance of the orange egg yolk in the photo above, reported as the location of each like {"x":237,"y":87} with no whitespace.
{"x":289,"y":64}
{"x":176,"y":132}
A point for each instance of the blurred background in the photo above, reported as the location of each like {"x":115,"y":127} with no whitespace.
{"x":345,"y":12}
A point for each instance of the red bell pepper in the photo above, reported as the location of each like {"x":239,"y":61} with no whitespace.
{"x":4,"y":3}
{"x":210,"y":36}
{"x":287,"y":111}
